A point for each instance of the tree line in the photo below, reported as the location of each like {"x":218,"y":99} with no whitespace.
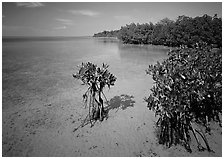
{"x":112,"y":33}
{"x":183,"y":31}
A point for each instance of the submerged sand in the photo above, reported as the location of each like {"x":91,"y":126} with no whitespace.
{"x":42,"y":105}
{"x":46,"y":128}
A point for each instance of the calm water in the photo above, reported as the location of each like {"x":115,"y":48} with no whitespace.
{"x":42,"y":67}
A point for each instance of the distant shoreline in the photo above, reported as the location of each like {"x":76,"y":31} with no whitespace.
{"x":105,"y":37}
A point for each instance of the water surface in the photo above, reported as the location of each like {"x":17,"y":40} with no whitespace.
{"x":42,"y":67}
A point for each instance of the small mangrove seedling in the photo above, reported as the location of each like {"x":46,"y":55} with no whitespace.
{"x":96,"y":79}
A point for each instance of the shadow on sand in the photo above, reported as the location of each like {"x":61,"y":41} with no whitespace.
{"x":117,"y":102}
{"x":120,"y":102}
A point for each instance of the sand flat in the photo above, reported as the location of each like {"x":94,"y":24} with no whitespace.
{"x":42,"y":105}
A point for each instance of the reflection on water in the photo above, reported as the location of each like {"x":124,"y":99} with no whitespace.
{"x":147,"y":54}
{"x":106,"y":41}
{"x":136,"y":54}
{"x":128,"y":62}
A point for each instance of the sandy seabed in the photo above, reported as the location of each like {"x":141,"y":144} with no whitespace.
{"x":44,"y":126}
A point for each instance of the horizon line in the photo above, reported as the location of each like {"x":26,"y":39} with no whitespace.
{"x":46,"y":36}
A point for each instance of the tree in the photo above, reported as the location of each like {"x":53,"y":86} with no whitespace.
{"x":184,"y":31}
{"x":217,"y":31}
{"x":96,"y":78}
{"x":188,"y":89}
{"x":112,"y":33}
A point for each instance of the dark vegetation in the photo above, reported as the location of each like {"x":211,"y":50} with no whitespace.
{"x":112,"y":33}
{"x":187,"y":89}
{"x":184,"y":31}
{"x":96,"y":79}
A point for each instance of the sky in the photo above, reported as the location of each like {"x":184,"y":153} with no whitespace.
{"x":87,"y":18}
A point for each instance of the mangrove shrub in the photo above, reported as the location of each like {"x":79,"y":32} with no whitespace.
{"x":187,"y":89}
{"x":96,"y":79}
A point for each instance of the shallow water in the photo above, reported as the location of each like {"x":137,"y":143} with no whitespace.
{"x":42,"y":67}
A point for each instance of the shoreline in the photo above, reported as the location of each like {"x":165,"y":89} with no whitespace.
{"x":127,"y":44}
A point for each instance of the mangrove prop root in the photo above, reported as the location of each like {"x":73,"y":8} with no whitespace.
{"x":203,"y":137}
{"x":205,"y":140}
{"x":169,"y":135}
{"x":95,"y":111}
{"x":90,"y":100}
{"x":200,"y":148}
{"x":82,"y":124}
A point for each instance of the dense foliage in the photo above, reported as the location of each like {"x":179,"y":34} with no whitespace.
{"x":96,"y":78}
{"x":188,"y":88}
{"x":184,"y":31}
{"x":112,"y":33}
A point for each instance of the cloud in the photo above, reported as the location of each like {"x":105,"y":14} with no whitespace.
{"x":84,"y":12}
{"x":59,"y":28}
{"x":65,"y":21}
{"x":29,"y":4}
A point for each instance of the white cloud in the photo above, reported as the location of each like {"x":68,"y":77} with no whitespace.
{"x":59,"y":28}
{"x":29,"y":4}
{"x":65,"y":21}
{"x":84,"y":12}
